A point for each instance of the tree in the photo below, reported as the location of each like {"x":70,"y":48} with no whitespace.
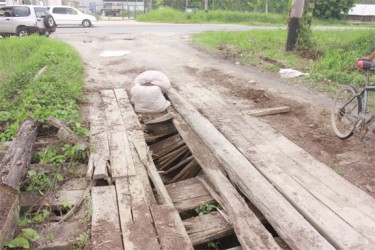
{"x":335,"y":9}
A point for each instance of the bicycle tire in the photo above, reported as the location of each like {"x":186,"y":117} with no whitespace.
{"x":345,"y":112}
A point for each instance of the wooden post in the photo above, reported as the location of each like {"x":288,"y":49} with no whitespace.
{"x":294,"y":23}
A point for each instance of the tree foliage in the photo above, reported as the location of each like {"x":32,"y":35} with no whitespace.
{"x":332,"y":9}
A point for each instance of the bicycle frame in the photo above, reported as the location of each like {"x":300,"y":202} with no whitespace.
{"x":364,"y":93}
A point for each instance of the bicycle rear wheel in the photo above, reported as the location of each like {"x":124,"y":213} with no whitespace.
{"x":345,"y":112}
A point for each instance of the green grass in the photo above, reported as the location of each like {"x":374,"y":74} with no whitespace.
{"x":54,"y":93}
{"x":336,"y":66}
{"x":169,"y":15}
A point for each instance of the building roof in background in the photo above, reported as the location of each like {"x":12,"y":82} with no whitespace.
{"x":362,"y":10}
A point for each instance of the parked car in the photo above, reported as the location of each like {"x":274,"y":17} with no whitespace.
{"x":66,"y":15}
{"x":23,"y":20}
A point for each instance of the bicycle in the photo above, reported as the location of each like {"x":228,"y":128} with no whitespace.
{"x":349,"y":110}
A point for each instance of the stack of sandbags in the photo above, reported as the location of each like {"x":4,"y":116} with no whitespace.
{"x":147,"y":92}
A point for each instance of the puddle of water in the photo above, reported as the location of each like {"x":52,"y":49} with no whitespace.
{"x":114,"y":53}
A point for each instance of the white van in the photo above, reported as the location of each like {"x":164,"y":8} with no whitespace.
{"x":66,"y":15}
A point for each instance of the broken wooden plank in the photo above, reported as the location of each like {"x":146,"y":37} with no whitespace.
{"x":55,"y":201}
{"x":247,"y":225}
{"x":207,"y":227}
{"x":188,"y":194}
{"x":145,"y":157}
{"x":105,"y":229}
{"x":141,"y":172}
{"x":268,"y":111}
{"x":170,"y":229}
{"x":287,"y":221}
{"x":98,"y":165}
{"x":135,"y":217}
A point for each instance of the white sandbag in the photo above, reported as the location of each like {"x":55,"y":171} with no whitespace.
{"x":148,"y":99}
{"x":153,"y":77}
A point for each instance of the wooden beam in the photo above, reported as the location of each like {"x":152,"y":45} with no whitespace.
{"x":287,"y":221}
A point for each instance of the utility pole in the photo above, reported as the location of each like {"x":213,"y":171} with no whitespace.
{"x":206,"y":5}
{"x":266,"y":6}
{"x":294,"y":23}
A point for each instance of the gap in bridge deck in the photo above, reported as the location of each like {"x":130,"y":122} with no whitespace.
{"x":178,"y":170}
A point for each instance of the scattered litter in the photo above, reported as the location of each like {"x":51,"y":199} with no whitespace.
{"x":291,"y":73}
{"x":114,"y":53}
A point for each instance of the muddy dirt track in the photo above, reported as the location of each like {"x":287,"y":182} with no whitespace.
{"x":243,"y":87}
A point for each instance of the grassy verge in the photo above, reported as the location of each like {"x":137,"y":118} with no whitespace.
{"x":336,"y":66}
{"x":169,"y":15}
{"x":26,"y":91}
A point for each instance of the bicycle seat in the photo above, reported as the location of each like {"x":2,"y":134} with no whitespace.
{"x":366,"y":65}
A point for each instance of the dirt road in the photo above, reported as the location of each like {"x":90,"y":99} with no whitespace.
{"x":243,"y":87}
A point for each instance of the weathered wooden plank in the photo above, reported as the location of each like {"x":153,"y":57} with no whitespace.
{"x":290,"y":225}
{"x":141,"y":172}
{"x":53,"y":200}
{"x":105,"y":229}
{"x":188,"y":194}
{"x":205,"y":228}
{"x":99,"y":140}
{"x":121,"y":159}
{"x":169,"y":227}
{"x":129,"y":117}
{"x":134,"y":130}
{"x":334,"y":216}
{"x":268,"y":111}
{"x":135,"y":216}
{"x":112,"y":111}
{"x":247,"y":225}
